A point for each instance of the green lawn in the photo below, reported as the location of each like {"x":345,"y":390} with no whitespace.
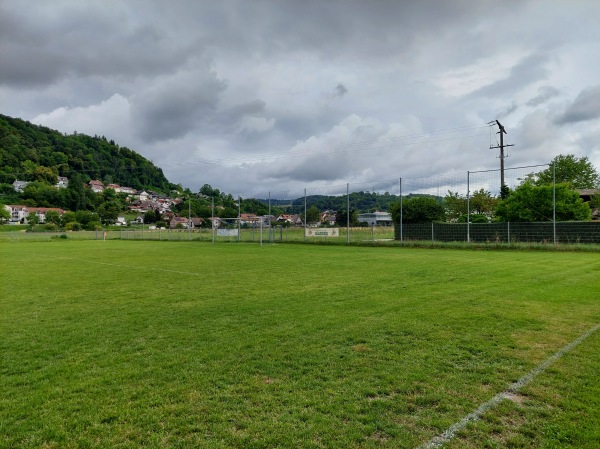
{"x":187,"y":344}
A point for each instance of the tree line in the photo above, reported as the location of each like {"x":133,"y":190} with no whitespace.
{"x":550,"y":194}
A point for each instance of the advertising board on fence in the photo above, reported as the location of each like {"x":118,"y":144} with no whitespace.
{"x":227,"y":232}
{"x":325,"y":232}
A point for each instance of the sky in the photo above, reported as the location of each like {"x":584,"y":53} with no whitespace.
{"x":252,"y":96}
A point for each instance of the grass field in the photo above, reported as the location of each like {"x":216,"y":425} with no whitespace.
{"x":132,"y":344}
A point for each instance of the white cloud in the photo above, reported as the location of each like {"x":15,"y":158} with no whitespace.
{"x":110,"y":117}
{"x":482,"y":73}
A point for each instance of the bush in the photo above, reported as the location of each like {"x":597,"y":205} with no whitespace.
{"x":47,"y":227}
{"x":93,"y":226}
{"x":73,"y":226}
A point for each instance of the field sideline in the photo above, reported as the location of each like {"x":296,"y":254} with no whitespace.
{"x":188,"y":344}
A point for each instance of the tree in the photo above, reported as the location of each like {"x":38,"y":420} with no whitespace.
{"x":109,"y":194}
{"x":578,"y":172}
{"x":68,"y":217}
{"x":227,"y":212}
{"x":87,"y":219}
{"x":419,"y":209}
{"x":8,"y":194}
{"x":529,"y":203}
{"x":595,"y":201}
{"x":109,"y":212}
{"x":483,"y":203}
{"x":151,"y":217}
{"x":76,"y":195}
{"x":473,"y":218}
{"x":33,"y":219}
{"x":341,"y":217}
{"x":4,"y":214}
{"x":455,"y":205}
{"x":313,"y":214}
{"x":207,"y":190}
{"x":45,"y":174}
{"x":53,"y":217}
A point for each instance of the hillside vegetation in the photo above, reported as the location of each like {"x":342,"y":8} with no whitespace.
{"x":35,"y":153}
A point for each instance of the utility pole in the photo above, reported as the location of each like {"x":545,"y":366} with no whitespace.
{"x":502,"y":131}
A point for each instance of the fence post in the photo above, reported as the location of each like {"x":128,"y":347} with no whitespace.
{"x":401,"y":224}
{"x":468,"y":208}
{"x":304,"y":214}
{"x":347,"y":212}
{"x":508,"y":230}
{"x":432,"y":238}
{"x":554,"y":201}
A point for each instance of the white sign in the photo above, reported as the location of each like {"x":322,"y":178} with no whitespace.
{"x":227,"y":232}
{"x":322,"y":232}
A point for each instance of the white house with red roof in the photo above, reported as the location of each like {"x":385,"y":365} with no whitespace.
{"x":19,"y":212}
{"x":96,"y":186}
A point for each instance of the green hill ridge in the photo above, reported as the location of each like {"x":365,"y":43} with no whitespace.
{"x":30,"y":152}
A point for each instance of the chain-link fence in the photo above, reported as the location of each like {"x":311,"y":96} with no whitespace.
{"x":328,"y":213}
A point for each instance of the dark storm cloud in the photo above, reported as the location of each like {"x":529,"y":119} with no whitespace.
{"x":505,"y":112}
{"x":529,"y":70}
{"x":228,"y":119}
{"x":585,"y":107}
{"x":80,"y":42}
{"x":545,"y":93}
{"x":341,"y":90}
{"x":178,"y":104}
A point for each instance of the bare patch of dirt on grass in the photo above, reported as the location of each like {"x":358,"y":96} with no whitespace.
{"x":515,"y":397}
{"x":361,"y":348}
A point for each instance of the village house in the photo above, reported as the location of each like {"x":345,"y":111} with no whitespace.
{"x":62,"y":182}
{"x":127,"y":190}
{"x":143,"y":196}
{"x":197,"y":222}
{"x":19,"y":186}
{"x":216,"y":222}
{"x":19,"y":213}
{"x":96,"y":186}
{"x":251,"y":220}
{"x":376,"y":218}
{"x":182,"y":221}
{"x":292,"y":219}
{"x":328,"y":218}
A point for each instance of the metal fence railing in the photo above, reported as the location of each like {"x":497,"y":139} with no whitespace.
{"x":539,"y":232}
{"x":505,"y":233}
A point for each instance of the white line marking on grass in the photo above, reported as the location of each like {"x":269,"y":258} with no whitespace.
{"x":451,"y":431}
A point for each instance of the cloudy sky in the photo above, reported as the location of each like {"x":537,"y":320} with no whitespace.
{"x":252,"y":96}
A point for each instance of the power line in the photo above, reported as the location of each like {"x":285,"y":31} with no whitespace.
{"x":343,"y":148}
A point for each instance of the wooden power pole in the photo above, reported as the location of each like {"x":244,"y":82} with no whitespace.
{"x":502,"y":156}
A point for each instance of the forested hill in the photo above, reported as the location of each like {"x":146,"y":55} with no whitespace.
{"x":28,"y":152}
